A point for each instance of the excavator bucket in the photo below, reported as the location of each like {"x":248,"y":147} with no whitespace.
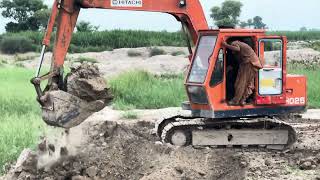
{"x":83,"y":92}
{"x":66,"y":110}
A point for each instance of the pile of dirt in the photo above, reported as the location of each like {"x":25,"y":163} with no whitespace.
{"x":106,"y":146}
{"x":102,"y":148}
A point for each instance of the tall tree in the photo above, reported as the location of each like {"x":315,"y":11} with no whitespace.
{"x":250,"y":23}
{"x":26,"y":14}
{"x":84,"y":26}
{"x":303,"y":29}
{"x":227,"y":14}
{"x":258,"y":24}
{"x":243,"y":24}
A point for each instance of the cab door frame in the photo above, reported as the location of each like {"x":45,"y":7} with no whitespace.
{"x":271,"y":99}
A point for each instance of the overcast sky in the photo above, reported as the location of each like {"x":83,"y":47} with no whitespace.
{"x":277,"y":14}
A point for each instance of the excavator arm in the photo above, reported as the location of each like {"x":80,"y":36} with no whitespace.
{"x":64,"y":15}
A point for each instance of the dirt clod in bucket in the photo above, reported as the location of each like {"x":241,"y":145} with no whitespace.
{"x":85,"y":92}
{"x":87,"y":83}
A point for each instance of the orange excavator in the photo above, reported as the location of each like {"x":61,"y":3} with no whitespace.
{"x":209,"y":83}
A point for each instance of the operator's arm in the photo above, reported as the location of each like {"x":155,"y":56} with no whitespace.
{"x":231,"y":47}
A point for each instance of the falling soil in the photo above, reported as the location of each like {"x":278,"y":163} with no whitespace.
{"x":108,"y":147}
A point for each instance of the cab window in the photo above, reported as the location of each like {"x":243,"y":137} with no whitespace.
{"x":201,"y":59}
{"x":217,"y":74}
{"x":270,"y":76}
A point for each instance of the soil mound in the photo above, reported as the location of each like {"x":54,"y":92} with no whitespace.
{"x":122,"y":149}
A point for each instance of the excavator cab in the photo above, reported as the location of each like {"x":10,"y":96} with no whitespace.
{"x":210,"y":85}
{"x":214,"y":69}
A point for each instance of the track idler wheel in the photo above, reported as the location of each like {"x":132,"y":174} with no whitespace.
{"x":180,"y":138}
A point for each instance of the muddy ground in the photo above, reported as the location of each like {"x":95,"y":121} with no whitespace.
{"x":106,"y":146}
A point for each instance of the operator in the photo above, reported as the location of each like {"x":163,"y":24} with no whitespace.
{"x":249,"y":64}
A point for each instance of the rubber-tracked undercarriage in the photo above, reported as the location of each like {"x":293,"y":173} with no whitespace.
{"x":264,"y":132}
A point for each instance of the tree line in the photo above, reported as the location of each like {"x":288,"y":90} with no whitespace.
{"x":32,"y":15}
{"x":227,"y":15}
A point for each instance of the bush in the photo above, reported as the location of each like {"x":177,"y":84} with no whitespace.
{"x":156,"y":51}
{"x":315,"y":45}
{"x":86,"y":59}
{"x":132,"y":53}
{"x":177,"y":53}
{"x":129,"y":115}
{"x":24,"y":57}
{"x":16,"y":44}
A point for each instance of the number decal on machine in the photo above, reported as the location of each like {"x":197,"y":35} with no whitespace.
{"x":296,"y":100}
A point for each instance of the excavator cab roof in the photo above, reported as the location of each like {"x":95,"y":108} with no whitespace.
{"x":234,"y":31}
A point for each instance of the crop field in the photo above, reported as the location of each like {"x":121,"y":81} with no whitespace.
{"x":108,"y":40}
{"x":297,"y":35}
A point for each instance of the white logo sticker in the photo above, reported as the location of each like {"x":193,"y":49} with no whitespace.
{"x":126,"y":3}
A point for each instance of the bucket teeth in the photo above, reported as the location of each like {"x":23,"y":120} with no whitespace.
{"x":62,"y":109}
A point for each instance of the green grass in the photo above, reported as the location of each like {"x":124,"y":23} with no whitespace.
{"x":313,"y":81}
{"x":20,"y":125}
{"x":141,"y":90}
{"x":129,"y":115}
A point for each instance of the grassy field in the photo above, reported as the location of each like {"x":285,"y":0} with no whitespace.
{"x":313,"y":82}
{"x":108,"y":40}
{"x":141,"y":90}
{"x":20,"y":125}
